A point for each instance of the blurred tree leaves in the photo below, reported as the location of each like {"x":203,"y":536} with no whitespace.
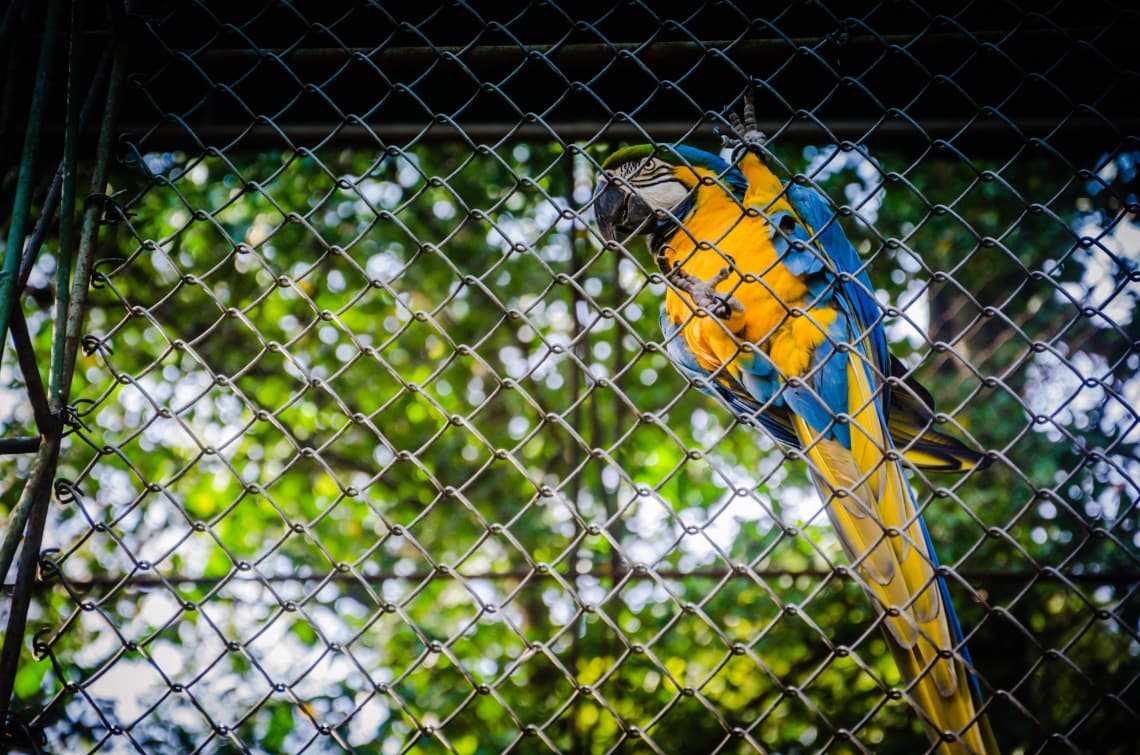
{"x":378,"y":454}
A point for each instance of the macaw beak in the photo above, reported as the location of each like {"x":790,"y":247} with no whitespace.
{"x":619,"y":211}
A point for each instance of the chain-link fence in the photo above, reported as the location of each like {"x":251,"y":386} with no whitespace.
{"x":373,"y":444}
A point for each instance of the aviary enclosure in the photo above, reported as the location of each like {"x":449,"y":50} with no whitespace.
{"x":331,"y":423}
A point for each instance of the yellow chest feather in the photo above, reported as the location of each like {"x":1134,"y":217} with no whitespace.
{"x":775,"y":302}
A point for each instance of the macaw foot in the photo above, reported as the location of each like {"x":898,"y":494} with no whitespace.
{"x":747,"y":136}
{"x":705,"y":295}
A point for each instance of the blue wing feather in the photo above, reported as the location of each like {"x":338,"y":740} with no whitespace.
{"x":819,"y":215}
{"x":759,"y":386}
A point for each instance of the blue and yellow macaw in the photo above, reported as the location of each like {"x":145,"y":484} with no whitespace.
{"x":772,"y":312}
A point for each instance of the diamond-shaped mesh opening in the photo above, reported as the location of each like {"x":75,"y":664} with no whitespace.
{"x":377,"y":443}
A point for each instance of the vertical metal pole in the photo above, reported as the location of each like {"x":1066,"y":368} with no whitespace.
{"x":67,"y":214}
{"x":37,"y":491}
{"x":10,"y":270}
{"x":617,"y":415}
{"x":19,"y":516}
{"x":575,"y":451}
{"x":36,"y":239}
{"x":85,"y":259}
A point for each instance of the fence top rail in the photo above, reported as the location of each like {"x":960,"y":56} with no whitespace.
{"x":984,"y":83}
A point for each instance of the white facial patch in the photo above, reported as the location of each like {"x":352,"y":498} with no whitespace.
{"x":663,"y":195}
{"x":655,"y":182}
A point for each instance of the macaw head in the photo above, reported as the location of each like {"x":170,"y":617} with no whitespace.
{"x":647,"y":189}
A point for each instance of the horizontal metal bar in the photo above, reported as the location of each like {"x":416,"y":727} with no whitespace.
{"x":581,"y":53}
{"x":250,"y":136}
{"x":977,"y":577}
{"x":19,"y":445}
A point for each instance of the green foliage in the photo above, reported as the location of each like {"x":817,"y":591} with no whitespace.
{"x":378,"y":454}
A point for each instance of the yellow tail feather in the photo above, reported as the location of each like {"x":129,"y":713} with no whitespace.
{"x":872,"y":511}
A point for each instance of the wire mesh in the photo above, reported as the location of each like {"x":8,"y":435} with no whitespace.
{"x":377,"y":447}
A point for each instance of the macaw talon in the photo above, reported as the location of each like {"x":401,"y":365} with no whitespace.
{"x":704,"y":293}
{"x":747,"y":137}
